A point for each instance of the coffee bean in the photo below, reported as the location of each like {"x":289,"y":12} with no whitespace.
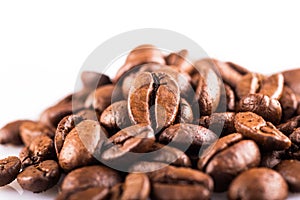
{"x":9,"y":169}
{"x":290,"y":125}
{"x":262,"y":105}
{"x":153,"y":99}
{"x":289,"y":169}
{"x":270,"y":159}
{"x":288,"y":103}
{"x":84,"y":140}
{"x":40,"y":149}
{"x":219,"y":122}
{"x":89,"y":177}
{"x":260,"y":184}
{"x":10,"y":133}
{"x":264,"y":133}
{"x":180,"y":183}
{"x":182,"y":136}
{"x":167,"y":154}
{"x":291,"y":78}
{"x":115,"y":116}
{"x":88,"y":114}
{"x":146,"y":166}
{"x":272,"y":86}
{"x":93,"y":193}
{"x":230,"y":98}
{"x":248,"y":84}
{"x":40,"y":177}
{"x":93,"y":80}
{"x":30,"y":130}
{"x":180,"y":60}
{"x":227,"y":158}
{"x":185,"y":112}
{"x":136,"y":186}
{"x":140,"y":55}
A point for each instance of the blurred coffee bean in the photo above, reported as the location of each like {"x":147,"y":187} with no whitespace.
{"x":272,"y":86}
{"x":248,"y":84}
{"x":9,"y":169}
{"x":10,"y":133}
{"x":88,"y":114}
{"x":40,"y":177}
{"x":180,"y":60}
{"x":259,"y":184}
{"x":289,"y":169}
{"x":270,"y":159}
{"x":263,"y":133}
{"x":288,"y":103}
{"x":93,"y":80}
{"x":290,"y":125}
{"x":185,"y":112}
{"x":136,"y":186}
{"x":30,"y":130}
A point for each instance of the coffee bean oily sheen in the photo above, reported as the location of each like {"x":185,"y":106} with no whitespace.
{"x":154,"y":99}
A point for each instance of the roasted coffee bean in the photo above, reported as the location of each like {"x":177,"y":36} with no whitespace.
{"x":10,"y":133}
{"x":78,"y":147}
{"x":295,"y":136}
{"x":167,"y":154}
{"x":272,"y":86}
{"x":180,"y":183}
{"x":288,"y":103}
{"x":88,"y":114}
{"x":93,"y":80}
{"x":30,"y":130}
{"x":146,"y":166}
{"x":185,"y":112}
{"x":262,"y":105}
{"x":270,"y":159}
{"x":219,"y":122}
{"x":136,"y":186}
{"x":153,"y":99}
{"x":89,"y":177}
{"x":208,"y":90}
{"x":9,"y":169}
{"x":259,"y":184}
{"x":40,"y":149}
{"x":290,"y":125}
{"x":116,"y":116}
{"x":227,"y":158}
{"x":230,"y":97}
{"x":180,"y":60}
{"x":291,"y":78}
{"x":93,"y":193}
{"x":248,"y":84}
{"x":182,"y":136}
{"x":140,"y":55}
{"x":289,"y":169}
{"x":137,"y":139}
{"x":40,"y":177}
{"x":263,"y":133}
{"x":101,"y":98}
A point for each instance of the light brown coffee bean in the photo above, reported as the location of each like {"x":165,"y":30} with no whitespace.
{"x":9,"y":169}
{"x":10,"y":133}
{"x":289,"y":169}
{"x":248,"y":84}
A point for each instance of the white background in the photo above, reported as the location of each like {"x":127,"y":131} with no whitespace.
{"x":44,"y":43}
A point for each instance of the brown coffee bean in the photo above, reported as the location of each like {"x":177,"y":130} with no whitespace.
{"x":180,"y":60}
{"x":259,"y":184}
{"x":227,"y":158}
{"x":146,"y":166}
{"x":263,"y":133}
{"x":136,"y":186}
{"x":248,"y":84}
{"x":167,"y":154}
{"x":153,"y":99}
{"x":40,"y":149}
{"x":10,"y":133}
{"x":182,"y":136}
{"x":290,"y":125}
{"x":30,"y":130}
{"x":93,"y":193}
{"x":272,"y":86}
{"x":84,"y":140}
{"x":9,"y":169}
{"x":101,"y":98}
{"x":116,"y":116}
{"x":40,"y":177}
{"x":295,"y":136}
{"x":289,"y":169}
{"x":238,"y":68}
{"x":288,"y":103}
{"x":262,"y":105}
{"x":230,"y":98}
{"x":208,"y":90}
{"x":89,"y":177}
{"x":140,"y":55}
{"x":137,"y":139}
{"x":88,"y":114}
{"x":180,"y":183}
{"x":219,"y":122}
{"x":92,"y":80}
{"x":291,"y":78}
{"x":185,"y":112}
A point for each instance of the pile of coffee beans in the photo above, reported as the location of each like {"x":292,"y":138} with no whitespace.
{"x":164,"y":128}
